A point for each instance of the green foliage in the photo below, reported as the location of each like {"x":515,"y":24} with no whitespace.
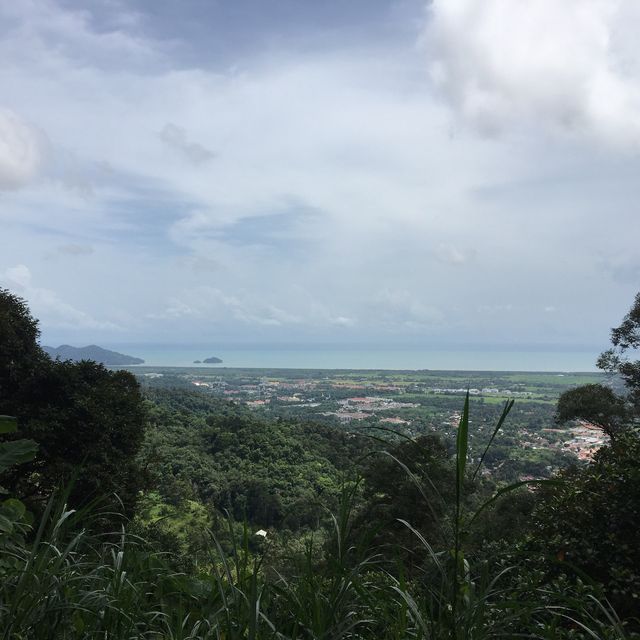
{"x":183,"y":528}
{"x":470,"y":595}
{"x":66,"y":583}
{"x":20,"y":355}
{"x":625,"y":338}
{"x":598,"y":405}
{"x":273,"y":473}
{"x":15,"y":452}
{"x":413,"y":480}
{"x":14,"y":517}
{"x":360,"y":544}
{"x":89,"y":424}
{"x":88,"y":421}
{"x":592,"y":521}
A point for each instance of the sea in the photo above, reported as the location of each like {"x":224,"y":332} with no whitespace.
{"x":332,"y":357}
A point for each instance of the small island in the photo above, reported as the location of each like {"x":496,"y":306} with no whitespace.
{"x":212,"y":360}
{"x":197,"y":362}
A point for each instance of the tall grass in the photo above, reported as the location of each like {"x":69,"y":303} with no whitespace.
{"x":72,"y":584}
{"x":465,"y":597}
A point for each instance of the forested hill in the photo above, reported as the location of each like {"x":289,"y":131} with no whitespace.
{"x":91,"y":352}
{"x":273,"y":473}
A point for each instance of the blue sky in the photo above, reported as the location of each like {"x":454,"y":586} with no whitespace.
{"x":453,"y":172}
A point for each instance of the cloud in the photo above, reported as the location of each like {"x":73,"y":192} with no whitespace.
{"x":46,"y":305}
{"x":571,"y":66}
{"x":450,"y":254}
{"x":624,"y":269}
{"x":18,"y":276}
{"x":343,"y":321}
{"x":64,"y":36}
{"x":202,"y":264}
{"x":75,"y":249}
{"x":495,"y":308}
{"x":175,"y":137}
{"x":20,"y":151}
{"x":340,"y":176}
{"x":215,"y":306}
{"x":397,"y":307}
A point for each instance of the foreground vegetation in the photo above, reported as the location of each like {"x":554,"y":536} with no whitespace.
{"x":181,"y":515}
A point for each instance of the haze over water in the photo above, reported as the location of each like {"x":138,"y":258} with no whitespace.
{"x":300,"y":357}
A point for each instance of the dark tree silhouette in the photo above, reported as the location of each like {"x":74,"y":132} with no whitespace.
{"x":88,"y":421}
{"x":600,"y":405}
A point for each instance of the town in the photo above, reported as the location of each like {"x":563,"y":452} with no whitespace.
{"x":413,"y":403}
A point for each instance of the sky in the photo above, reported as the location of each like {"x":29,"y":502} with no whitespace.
{"x":454,"y":172}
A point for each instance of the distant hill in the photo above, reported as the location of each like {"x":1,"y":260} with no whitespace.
{"x":91,"y":352}
{"x":212,"y":360}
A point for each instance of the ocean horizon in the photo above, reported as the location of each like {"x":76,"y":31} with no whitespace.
{"x":404,"y":358}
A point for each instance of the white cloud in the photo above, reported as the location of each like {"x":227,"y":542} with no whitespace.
{"x":37,"y":28}
{"x":571,"y":65}
{"x":450,"y":254}
{"x":175,"y":137}
{"x":20,"y":151}
{"x":73,"y":249}
{"x":18,"y":276}
{"x":215,"y":306}
{"x":337,"y":177}
{"x":495,"y":308}
{"x":397,"y":307}
{"x":343,"y":321}
{"x":46,"y":305}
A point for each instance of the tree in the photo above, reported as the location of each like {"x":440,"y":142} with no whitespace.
{"x":88,"y":421}
{"x":412,"y":481}
{"x":20,"y":354}
{"x":599,"y":404}
{"x":591,"y":519}
{"x":14,"y":519}
{"x":625,"y":337}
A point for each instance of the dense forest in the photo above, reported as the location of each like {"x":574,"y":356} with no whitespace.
{"x":167,"y":513}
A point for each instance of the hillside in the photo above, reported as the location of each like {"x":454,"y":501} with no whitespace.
{"x":91,"y":352}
